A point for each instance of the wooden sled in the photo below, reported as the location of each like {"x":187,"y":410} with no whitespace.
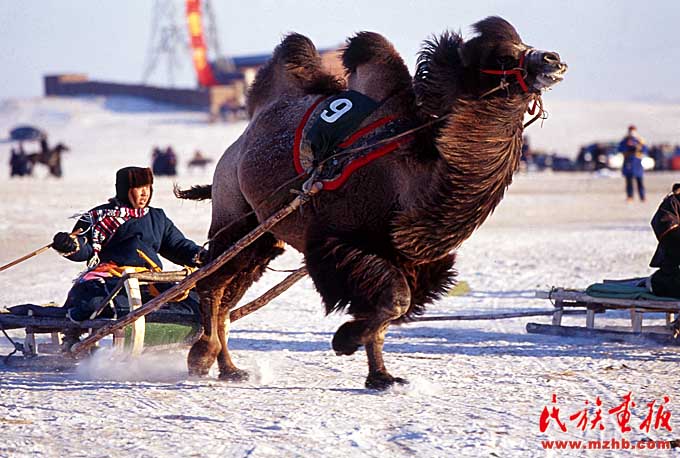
{"x":160,"y":330}
{"x":569,"y":299}
{"x":164,"y":329}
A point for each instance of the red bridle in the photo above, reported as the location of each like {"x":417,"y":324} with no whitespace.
{"x":517,"y":72}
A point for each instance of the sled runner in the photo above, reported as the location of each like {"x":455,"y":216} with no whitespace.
{"x":598,"y":299}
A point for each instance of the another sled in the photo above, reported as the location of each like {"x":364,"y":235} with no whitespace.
{"x":639,"y":308}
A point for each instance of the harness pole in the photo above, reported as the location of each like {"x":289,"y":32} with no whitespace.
{"x":25,"y":257}
{"x":33,"y":253}
{"x":190,"y":281}
{"x":263,"y":300}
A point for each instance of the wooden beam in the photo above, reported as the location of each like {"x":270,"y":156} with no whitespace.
{"x":263,"y":300}
{"x":636,"y":320}
{"x":590,"y":318}
{"x":46,"y":324}
{"x":559,"y":312}
{"x":134,"y":295}
{"x":494,"y":316}
{"x":30,"y":347}
{"x":43,"y":324}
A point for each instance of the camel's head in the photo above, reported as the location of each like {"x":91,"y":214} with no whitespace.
{"x":497,"y":62}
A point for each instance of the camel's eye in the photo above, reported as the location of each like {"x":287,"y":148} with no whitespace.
{"x":506,"y":61}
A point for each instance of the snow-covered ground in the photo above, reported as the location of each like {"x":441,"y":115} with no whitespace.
{"x":477,"y":387}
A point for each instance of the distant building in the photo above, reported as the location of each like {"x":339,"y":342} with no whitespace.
{"x":227,"y":96}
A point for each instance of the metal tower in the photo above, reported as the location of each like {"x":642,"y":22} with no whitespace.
{"x":168,"y":46}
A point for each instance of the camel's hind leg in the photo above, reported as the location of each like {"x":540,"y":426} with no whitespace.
{"x":252,"y":263}
{"x":221,"y":291}
{"x":211,"y":291}
{"x":377,"y":291}
{"x":203,"y":352}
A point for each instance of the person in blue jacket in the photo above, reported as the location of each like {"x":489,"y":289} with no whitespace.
{"x":118,"y":234}
{"x":633,"y":148}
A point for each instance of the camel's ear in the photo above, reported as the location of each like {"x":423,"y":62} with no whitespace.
{"x":497,"y":28}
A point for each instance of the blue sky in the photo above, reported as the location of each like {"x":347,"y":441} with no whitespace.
{"x":616,"y":49}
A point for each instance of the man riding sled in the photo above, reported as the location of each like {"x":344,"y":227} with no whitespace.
{"x":121,"y":234}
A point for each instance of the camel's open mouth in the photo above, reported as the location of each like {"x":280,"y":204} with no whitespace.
{"x":547,"y":66}
{"x":546,"y":80}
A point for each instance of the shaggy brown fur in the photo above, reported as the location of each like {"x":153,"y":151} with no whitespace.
{"x":439,"y":75}
{"x":480,"y":146}
{"x":381,"y":247}
{"x":373,"y":48}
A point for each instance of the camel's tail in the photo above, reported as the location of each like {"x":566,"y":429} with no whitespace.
{"x":198,"y":192}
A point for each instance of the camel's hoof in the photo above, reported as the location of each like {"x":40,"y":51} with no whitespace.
{"x":345,"y":339}
{"x":383,"y":381}
{"x":345,"y":349}
{"x":237,"y":375}
{"x":198,"y":373}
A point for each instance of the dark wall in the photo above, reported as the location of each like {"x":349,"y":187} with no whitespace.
{"x":70,"y":85}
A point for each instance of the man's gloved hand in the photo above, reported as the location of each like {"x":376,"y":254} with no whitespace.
{"x":201,"y":258}
{"x":64,"y":243}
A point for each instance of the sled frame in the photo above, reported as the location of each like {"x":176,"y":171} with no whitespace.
{"x":568,"y":299}
{"x":131,"y":282}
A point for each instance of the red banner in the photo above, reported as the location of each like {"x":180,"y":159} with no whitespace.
{"x":198,"y":49}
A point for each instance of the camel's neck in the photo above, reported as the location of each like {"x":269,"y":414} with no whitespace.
{"x":480,"y":147}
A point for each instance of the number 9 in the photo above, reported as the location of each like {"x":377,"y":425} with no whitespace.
{"x":338,"y":107}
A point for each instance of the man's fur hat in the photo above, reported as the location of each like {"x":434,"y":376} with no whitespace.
{"x":132,"y":177}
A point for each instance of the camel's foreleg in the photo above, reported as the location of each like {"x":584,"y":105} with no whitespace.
{"x":370,"y":332}
{"x":378,"y":377}
{"x":237,"y":287}
{"x":394,"y":304}
{"x":374,"y":318}
{"x":377,"y":292}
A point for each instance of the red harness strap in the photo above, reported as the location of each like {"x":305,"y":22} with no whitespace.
{"x":516,"y":72}
{"x":373,"y":155}
{"x":355,"y":164}
{"x":298,"y":135}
